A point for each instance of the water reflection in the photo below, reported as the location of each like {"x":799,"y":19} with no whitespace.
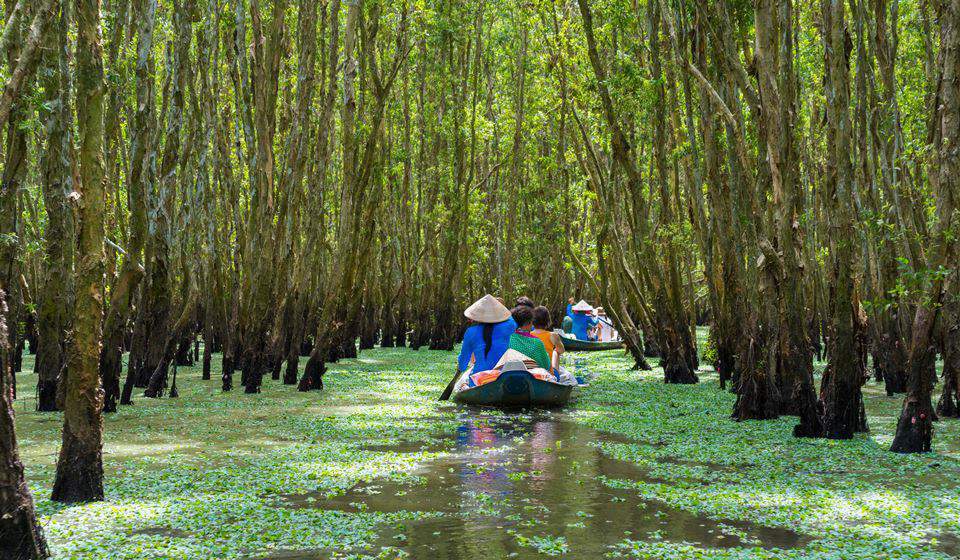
{"x":513,"y":482}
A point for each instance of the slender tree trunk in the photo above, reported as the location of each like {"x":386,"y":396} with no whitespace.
{"x":115,"y":327}
{"x":142,"y":172}
{"x":914,"y":428}
{"x":672,"y":323}
{"x":774,"y":42}
{"x":338,"y":318}
{"x":949,"y":404}
{"x":56,"y":301}
{"x":21,"y":537}
{"x":843,"y":400}
{"x":79,"y":475}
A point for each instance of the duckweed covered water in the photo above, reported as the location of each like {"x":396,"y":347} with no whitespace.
{"x":523,"y":485}
{"x":374,"y":466}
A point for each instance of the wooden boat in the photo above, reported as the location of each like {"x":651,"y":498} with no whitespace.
{"x":516,"y":388}
{"x":577,"y":345}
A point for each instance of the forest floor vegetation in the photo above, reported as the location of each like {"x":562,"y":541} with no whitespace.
{"x":229,"y":475}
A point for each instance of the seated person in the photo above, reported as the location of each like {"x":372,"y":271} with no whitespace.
{"x":524,"y":300}
{"x":551,"y":340}
{"x":486,"y":341}
{"x":605,"y":330}
{"x":567,"y":324}
{"x":583,"y":321}
{"x":523,"y":341}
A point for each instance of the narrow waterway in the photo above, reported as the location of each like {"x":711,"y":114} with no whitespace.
{"x":524,"y":485}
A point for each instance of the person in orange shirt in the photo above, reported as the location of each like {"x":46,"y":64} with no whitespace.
{"x":551,"y":340}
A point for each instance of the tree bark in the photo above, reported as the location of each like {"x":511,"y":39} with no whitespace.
{"x":140,"y":184}
{"x":949,"y":404}
{"x":21,"y":537}
{"x":79,"y":475}
{"x":56,"y":301}
{"x":842,"y":398}
{"x":914,"y":428}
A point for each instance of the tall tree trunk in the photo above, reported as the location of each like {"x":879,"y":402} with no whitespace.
{"x":339,"y":308}
{"x":21,"y":537}
{"x":842,"y":398}
{"x":259,"y":288}
{"x":914,"y":428}
{"x":949,"y":404}
{"x":56,"y":301}
{"x":142,"y":172}
{"x":79,"y":475}
{"x":158,"y":304}
{"x":774,"y":60}
{"x":671,"y":316}
{"x":890,"y":351}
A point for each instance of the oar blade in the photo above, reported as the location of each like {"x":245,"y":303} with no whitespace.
{"x":445,"y":396}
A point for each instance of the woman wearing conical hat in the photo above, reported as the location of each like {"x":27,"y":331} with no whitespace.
{"x":583,"y":321}
{"x":485,"y":342}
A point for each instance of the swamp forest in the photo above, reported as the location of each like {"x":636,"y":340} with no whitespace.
{"x":691,"y":264}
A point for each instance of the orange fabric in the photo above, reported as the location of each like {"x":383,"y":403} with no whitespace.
{"x":484,"y":377}
{"x":544,"y":337}
{"x":542,"y":375}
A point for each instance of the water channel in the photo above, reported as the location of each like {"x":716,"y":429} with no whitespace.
{"x":523,"y":485}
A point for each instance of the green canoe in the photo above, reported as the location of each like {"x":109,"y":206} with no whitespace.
{"x":577,"y":345}
{"x":515,"y":389}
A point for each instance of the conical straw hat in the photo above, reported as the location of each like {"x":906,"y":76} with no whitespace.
{"x":582,"y":305}
{"x":487,"y":310}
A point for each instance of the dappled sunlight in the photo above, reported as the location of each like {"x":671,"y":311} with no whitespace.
{"x":182,"y":473}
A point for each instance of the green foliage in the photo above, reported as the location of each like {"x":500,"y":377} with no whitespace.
{"x":708,"y":349}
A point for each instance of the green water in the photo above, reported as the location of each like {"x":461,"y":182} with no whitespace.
{"x":523,"y":485}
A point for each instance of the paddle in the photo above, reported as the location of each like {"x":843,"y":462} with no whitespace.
{"x":446,"y":392}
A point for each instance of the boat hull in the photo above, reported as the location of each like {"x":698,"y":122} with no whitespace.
{"x":576,"y":345}
{"x":516,"y":389}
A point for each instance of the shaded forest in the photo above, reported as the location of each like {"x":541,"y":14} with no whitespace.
{"x":286,"y":183}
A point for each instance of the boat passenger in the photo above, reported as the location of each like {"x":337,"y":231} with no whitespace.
{"x":551,"y":340}
{"x":485,"y":342}
{"x":524,"y":300}
{"x":523,"y":341}
{"x":583,"y":321}
{"x":605,"y":330}
{"x":567,"y":324}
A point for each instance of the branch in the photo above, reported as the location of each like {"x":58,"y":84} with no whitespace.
{"x":29,"y":53}
{"x":10,"y":26}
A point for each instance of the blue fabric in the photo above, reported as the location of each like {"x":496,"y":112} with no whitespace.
{"x":582,"y":322}
{"x":570,"y":310}
{"x":473,"y":345}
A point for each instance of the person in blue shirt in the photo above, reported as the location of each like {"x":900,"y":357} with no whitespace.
{"x":582,"y":320}
{"x":485,"y":342}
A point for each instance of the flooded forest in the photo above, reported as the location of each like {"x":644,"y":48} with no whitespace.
{"x":242,"y":243}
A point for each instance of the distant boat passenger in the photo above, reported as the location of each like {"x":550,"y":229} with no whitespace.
{"x":567,"y":323}
{"x":485,"y":342}
{"x":583,"y":321}
{"x":605,"y":330}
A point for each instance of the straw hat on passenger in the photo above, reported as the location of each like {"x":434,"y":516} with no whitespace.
{"x":487,"y":310}
{"x":582,"y":305}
